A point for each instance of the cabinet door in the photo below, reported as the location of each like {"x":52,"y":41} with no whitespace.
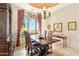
{"x":3,"y":26}
{"x":3,"y":22}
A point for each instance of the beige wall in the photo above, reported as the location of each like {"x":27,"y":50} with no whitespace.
{"x":64,"y":15}
{"x":14,"y":23}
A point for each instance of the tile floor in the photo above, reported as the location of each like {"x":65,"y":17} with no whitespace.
{"x":57,"y":51}
{"x":20,"y":51}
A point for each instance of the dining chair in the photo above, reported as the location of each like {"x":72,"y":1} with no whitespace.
{"x":28,"y":41}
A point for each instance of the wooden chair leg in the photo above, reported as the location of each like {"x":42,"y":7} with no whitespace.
{"x":31,"y":51}
{"x":28,"y":51}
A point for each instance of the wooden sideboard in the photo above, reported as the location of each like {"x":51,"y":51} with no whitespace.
{"x":64,"y":38}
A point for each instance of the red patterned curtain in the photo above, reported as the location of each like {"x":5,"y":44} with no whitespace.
{"x":39,"y":18}
{"x":20,"y":22}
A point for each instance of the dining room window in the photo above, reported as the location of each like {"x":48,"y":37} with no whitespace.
{"x":30,"y":25}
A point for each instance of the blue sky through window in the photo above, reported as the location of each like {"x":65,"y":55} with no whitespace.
{"x":31,"y":23}
{"x":25,"y":20}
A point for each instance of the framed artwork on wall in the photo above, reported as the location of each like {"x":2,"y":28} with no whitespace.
{"x":72,"y":25}
{"x":57,"y":27}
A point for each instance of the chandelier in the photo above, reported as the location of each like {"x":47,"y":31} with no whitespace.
{"x":46,"y":13}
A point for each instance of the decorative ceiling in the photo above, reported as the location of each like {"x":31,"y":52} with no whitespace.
{"x":43,"y":5}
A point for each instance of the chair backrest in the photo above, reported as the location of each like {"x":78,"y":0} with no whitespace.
{"x":28,"y":39}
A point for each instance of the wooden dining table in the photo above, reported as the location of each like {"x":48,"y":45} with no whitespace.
{"x":45,"y":42}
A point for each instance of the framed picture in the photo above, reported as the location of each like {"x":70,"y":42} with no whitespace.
{"x":72,"y":25}
{"x":57,"y":27}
